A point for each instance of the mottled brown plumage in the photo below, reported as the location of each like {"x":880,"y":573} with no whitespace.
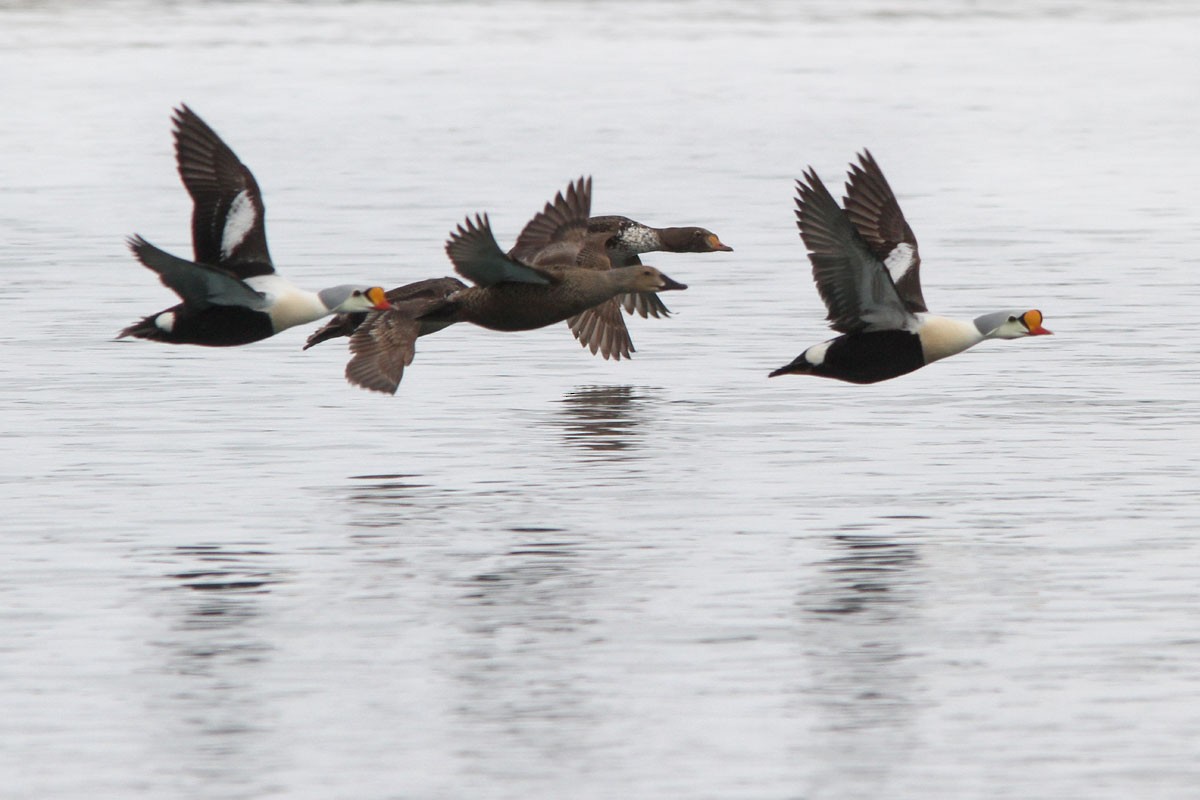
{"x":509,"y":295}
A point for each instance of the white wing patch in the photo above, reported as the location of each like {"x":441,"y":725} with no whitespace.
{"x":899,"y":261}
{"x":165,"y":321}
{"x":238,"y":222}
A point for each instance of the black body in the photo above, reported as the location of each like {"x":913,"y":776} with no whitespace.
{"x":864,"y":358}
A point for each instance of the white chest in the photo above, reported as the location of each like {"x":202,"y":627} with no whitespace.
{"x":942,"y":337}
{"x":288,"y":304}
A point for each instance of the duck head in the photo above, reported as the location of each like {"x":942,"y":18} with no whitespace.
{"x":692,"y":240}
{"x":349,"y":298}
{"x":1011,"y":324}
{"x":649,"y":279}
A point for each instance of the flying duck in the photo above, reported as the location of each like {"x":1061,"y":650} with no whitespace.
{"x":866,"y":266}
{"x":231,"y":293}
{"x":611,"y":241}
{"x":509,"y":294}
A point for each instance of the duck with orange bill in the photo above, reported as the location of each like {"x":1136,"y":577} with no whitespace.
{"x":866,"y":266}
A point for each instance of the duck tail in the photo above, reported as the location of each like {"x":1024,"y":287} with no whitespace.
{"x":798,"y":367}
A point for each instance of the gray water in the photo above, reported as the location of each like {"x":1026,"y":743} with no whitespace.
{"x":535,"y":574}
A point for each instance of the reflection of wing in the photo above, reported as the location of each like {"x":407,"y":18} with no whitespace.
{"x":198,"y":285}
{"x":228,"y":214}
{"x":380,"y":350}
{"x":873,"y":209}
{"x":561,"y":227}
{"x":856,"y":287}
{"x":476,"y":256}
{"x":602,"y":328}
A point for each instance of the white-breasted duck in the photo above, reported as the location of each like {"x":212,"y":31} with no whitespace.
{"x":866,"y":266}
{"x":508,"y":295}
{"x":231,"y":293}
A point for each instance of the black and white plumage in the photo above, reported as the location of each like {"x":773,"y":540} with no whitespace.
{"x":231,"y":293}
{"x":866,"y":263}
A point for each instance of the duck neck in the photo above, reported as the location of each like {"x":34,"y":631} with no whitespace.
{"x":289,"y":305}
{"x":942,"y":336}
{"x":638,"y":239}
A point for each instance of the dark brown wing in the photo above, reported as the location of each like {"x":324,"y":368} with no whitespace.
{"x":380,"y":350}
{"x":562,"y":224}
{"x":873,"y":209}
{"x":602,"y":329}
{"x":855,"y":286}
{"x":473,"y":249}
{"x":228,"y":227}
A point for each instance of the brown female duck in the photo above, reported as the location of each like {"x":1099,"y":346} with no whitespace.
{"x":509,"y":294}
{"x":608,"y":242}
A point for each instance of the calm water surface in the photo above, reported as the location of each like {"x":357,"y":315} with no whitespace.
{"x":536,"y":574}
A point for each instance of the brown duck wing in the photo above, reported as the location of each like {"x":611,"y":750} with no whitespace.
{"x":473,"y":250}
{"x":560,"y":228}
{"x":645,"y":304}
{"x":602,"y":329}
{"x":228,"y":227}
{"x":873,"y":209}
{"x":854,"y":284}
{"x":380,"y":350}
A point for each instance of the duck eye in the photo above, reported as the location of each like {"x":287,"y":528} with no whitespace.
{"x":1012,"y":319}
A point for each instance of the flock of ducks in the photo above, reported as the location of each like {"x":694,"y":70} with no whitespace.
{"x":565,"y":265}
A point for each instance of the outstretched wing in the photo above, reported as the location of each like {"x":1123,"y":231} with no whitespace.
{"x":560,"y":229}
{"x":855,"y":286}
{"x":228,"y":226}
{"x":873,"y":209}
{"x":198,"y":285}
{"x":381,"y":348}
{"x":602,"y":329}
{"x":473,"y":250}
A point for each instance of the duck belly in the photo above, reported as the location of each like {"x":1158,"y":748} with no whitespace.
{"x":215,"y":326}
{"x":866,"y":357}
{"x":524,"y":307}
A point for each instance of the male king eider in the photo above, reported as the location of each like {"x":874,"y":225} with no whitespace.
{"x":231,"y":293}
{"x":865,"y":264}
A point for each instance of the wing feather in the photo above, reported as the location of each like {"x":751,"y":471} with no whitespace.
{"x":198,"y":285}
{"x":228,"y":216}
{"x":855,"y":286}
{"x":873,"y":209}
{"x":473,"y":249}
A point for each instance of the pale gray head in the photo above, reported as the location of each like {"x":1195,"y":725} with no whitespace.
{"x":349,"y":298}
{"x":1011,"y":324}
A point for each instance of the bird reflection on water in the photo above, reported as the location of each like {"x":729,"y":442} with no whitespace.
{"x":863,"y":633}
{"x":605,"y":420}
